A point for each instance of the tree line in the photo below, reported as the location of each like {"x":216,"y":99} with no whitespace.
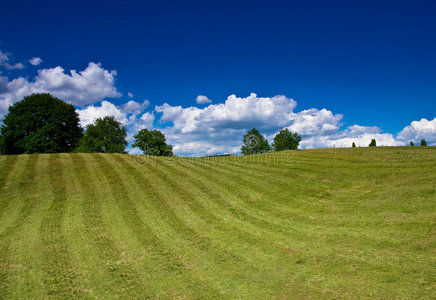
{"x":41,"y":123}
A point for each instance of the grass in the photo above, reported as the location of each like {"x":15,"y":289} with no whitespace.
{"x":326,"y":223}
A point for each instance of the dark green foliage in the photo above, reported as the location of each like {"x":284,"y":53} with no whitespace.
{"x":353,"y":145}
{"x":286,"y":140}
{"x":411,"y":144}
{"x":152,"y":142}
{"x":254,"y":143}
{"x":373,"y":143}
{"x":106,"y":135}
{"x":423,"y":143}
{"x":40,"y":123}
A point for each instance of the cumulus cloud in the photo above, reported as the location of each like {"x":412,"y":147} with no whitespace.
{"x":314,"y":122}
{"x":92,"y":112}
{"x":127,"y":114}
{"x":4,"y":62}
{"x":79,"y":88}
{"x":133,"y":107}
{"x":202,"y":99}
{"x":35,"y":61}
{"x":219,"y":128}
{"x":417,"y":130}
{"x":130,"y":95}
{"x":235,"y":113}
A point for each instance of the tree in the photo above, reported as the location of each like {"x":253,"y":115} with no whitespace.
{"x":106,"y":135}
{"x":353,"y":145}
{"x":286,"y":140}
{"x":373,"y":143}
{"x":411,"y":144}
{"x":152,"y":142}
{"x":40,"y":123}
{"x":423,"y":143}
{"x":254,"y":143}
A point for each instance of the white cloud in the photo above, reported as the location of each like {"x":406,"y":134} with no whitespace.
{"x":312,"y":122}
{"x":145,"y":121}
{"x":35,"y":61}
{"x":79,"y":88}
{"x":202,"y":99}
{"x":4,"y":62}
{"x":219,"y":128}
{"x":235,"y":113}
{"x":130,"y":95}
{"x":417,"y":130}
{"x":127,"y":113}
{"x":91,"y":112}
{"x":133,"y":107}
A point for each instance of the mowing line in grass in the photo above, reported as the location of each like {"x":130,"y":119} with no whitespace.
{"x":60,"y":280}
{"x":6,"y":265}
{"x":143,"y":230}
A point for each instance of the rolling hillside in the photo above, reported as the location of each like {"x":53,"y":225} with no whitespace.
{"x":335,"y":223}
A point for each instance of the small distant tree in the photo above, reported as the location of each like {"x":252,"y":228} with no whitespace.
{"x":106,"y":135}
{"x":353,"y":145}
{"x":40,"y":123}
{"x":152,"y":142}
{"x":254,"y":143}
{"x":373,"y":143}
{"x":423,"y":143}
{"x":286,"y":140}
{"x":411,"y":144}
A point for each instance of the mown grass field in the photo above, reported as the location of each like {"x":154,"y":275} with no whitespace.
{"x":327,"y":223}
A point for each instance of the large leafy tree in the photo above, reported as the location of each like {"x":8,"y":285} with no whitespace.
{"x":286,"y":140}
{"x":152,"y":142}
{"x":40,"y":123}
{"x":254,"y":143}
{"x":106,"y":135}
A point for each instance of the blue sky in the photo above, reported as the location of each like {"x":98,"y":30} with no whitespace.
{"x":371,"y":61}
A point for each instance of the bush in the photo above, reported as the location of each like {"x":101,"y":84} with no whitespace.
{"x":423,"y":143}
{"x":373,"y":143}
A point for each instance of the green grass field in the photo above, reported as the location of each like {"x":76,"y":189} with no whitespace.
{"x":327,"y":223}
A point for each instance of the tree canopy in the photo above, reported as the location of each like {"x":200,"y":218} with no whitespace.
{"x":254,"y":143}
{"x":373,"y":143}
{"x":423,"y":143}
{"x":286,"y":140}
{"x":152,"y":142}
{"x":40,"y":123}
{"x":106,"y":135}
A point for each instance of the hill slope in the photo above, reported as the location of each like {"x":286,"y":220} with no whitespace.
{"x":316,"y":223}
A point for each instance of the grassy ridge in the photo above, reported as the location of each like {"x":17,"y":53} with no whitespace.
{"x":337,"y":223}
